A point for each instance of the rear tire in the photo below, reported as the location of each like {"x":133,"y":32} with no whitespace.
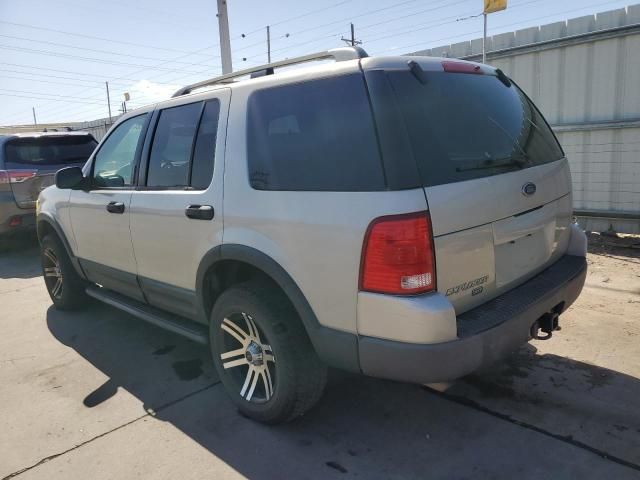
{"x":64,"y":285}
{"x":263,"y":355}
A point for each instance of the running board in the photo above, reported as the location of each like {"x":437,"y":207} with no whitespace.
{"x":173,"y":323}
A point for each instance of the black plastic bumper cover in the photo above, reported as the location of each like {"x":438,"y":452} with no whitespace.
{"x":485,"y":334}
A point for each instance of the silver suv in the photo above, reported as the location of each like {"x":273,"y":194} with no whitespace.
{"x":407,"y":218}
{"x":28,"y":162}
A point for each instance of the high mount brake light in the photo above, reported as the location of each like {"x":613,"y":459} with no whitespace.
{"x":398,"y":255}
{"x":461,"y":67}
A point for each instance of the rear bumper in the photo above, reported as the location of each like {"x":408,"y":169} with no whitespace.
{"x":485,"y":334}
{"x":9,"y":211}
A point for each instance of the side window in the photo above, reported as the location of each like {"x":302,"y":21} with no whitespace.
{"x":170,"y":156}
{"x":113,"y":163}
{"x":316,"y":135}
{"x":205,"y":149}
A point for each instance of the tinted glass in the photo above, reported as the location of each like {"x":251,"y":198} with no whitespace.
{"x":316,"y":135}
{"x":172,"y":143}
{"x":48,"y":150}
{"x":113,"y":164}
{"x":205,"y":149}
{"x":465,"y":126}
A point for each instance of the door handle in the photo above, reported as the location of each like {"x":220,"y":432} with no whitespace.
{"x":115,"y":207}
{"x":199,"y":212}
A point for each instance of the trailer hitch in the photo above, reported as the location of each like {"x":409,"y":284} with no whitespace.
{"x":546,"y":324}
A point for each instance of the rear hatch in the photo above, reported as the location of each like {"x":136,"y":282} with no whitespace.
{"x":495,"y":178}
{"x":31,"y":162}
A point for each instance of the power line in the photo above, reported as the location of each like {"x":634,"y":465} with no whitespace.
{"x":475,"y":32}
{"x":108,"y":52}
{"x":51,"y":82}
{"x":325,"y":36}
{"x":78,"y":57}
{"x":420,"y":27}
{"x":57,"y":109}
{"x":92,"y":37}
{"x":187,"y":53}
{"x":48,"y":76}
{"x":413,"y":14}
{"x":352,"y":17}
{"x":190,"y":73}
{"x":324,"y":9}
{"x":174,"y":22}
{"x":297,"y":17}
{"x":12,"y":90}
{"x":31,"y":97}
{"x":101,"y":77}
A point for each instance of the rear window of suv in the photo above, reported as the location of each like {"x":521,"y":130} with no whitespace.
{"x":467,"y":126}
{"x":315,"y":135}
{"x":49,"y":150}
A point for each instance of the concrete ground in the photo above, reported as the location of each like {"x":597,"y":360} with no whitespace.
{"x":99,"y":394}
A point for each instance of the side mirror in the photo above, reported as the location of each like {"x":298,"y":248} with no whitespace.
{"x":70,"y":177}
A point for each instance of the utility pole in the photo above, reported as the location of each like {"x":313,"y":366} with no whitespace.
{"x":352,"y":41}
{"x":484,"y":39}
{"x":490,"y":6}
{"x":108,"y":101}
{"x":225,"y":41}
{"x":35,"y":122}
{"x":268,"y":45}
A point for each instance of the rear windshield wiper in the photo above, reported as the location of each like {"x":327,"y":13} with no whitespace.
{"x":514,"y":140}
{"x":486,"y":163}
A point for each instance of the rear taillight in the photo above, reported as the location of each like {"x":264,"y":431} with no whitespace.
{"x":397,"y":256}
{"x":16,"y":176}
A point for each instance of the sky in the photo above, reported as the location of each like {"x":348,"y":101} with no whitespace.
{"x":57,"y":55}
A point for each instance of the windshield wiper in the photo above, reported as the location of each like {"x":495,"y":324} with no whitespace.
{"x":514,"y":140}
{"x":488,"y":162}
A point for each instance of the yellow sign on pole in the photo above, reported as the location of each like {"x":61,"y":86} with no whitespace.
{"x":491,"y":6}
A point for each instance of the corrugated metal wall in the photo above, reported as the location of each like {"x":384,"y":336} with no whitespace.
{"x":584,"y":74}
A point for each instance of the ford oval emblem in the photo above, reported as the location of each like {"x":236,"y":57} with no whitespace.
{"x":528,"y":189}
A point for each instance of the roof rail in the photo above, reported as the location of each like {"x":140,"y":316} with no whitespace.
{"x":338,"y":54}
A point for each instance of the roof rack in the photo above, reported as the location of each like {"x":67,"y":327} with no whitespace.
{"x":338,"y":54}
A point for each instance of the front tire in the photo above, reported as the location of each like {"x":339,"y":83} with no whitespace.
{"x":64,"y":285}
{"x":263,"y":355}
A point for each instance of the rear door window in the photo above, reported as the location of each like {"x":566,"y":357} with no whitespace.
{"x":315,"y":135}
{"x":49,"y":150}
{"x":170,"y":157}
{"x":184,"y":146}
{"x":466,"y":126}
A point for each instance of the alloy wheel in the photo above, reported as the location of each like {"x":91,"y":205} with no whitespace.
{"x":248,"y":357}
{"x":53,"y":276}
